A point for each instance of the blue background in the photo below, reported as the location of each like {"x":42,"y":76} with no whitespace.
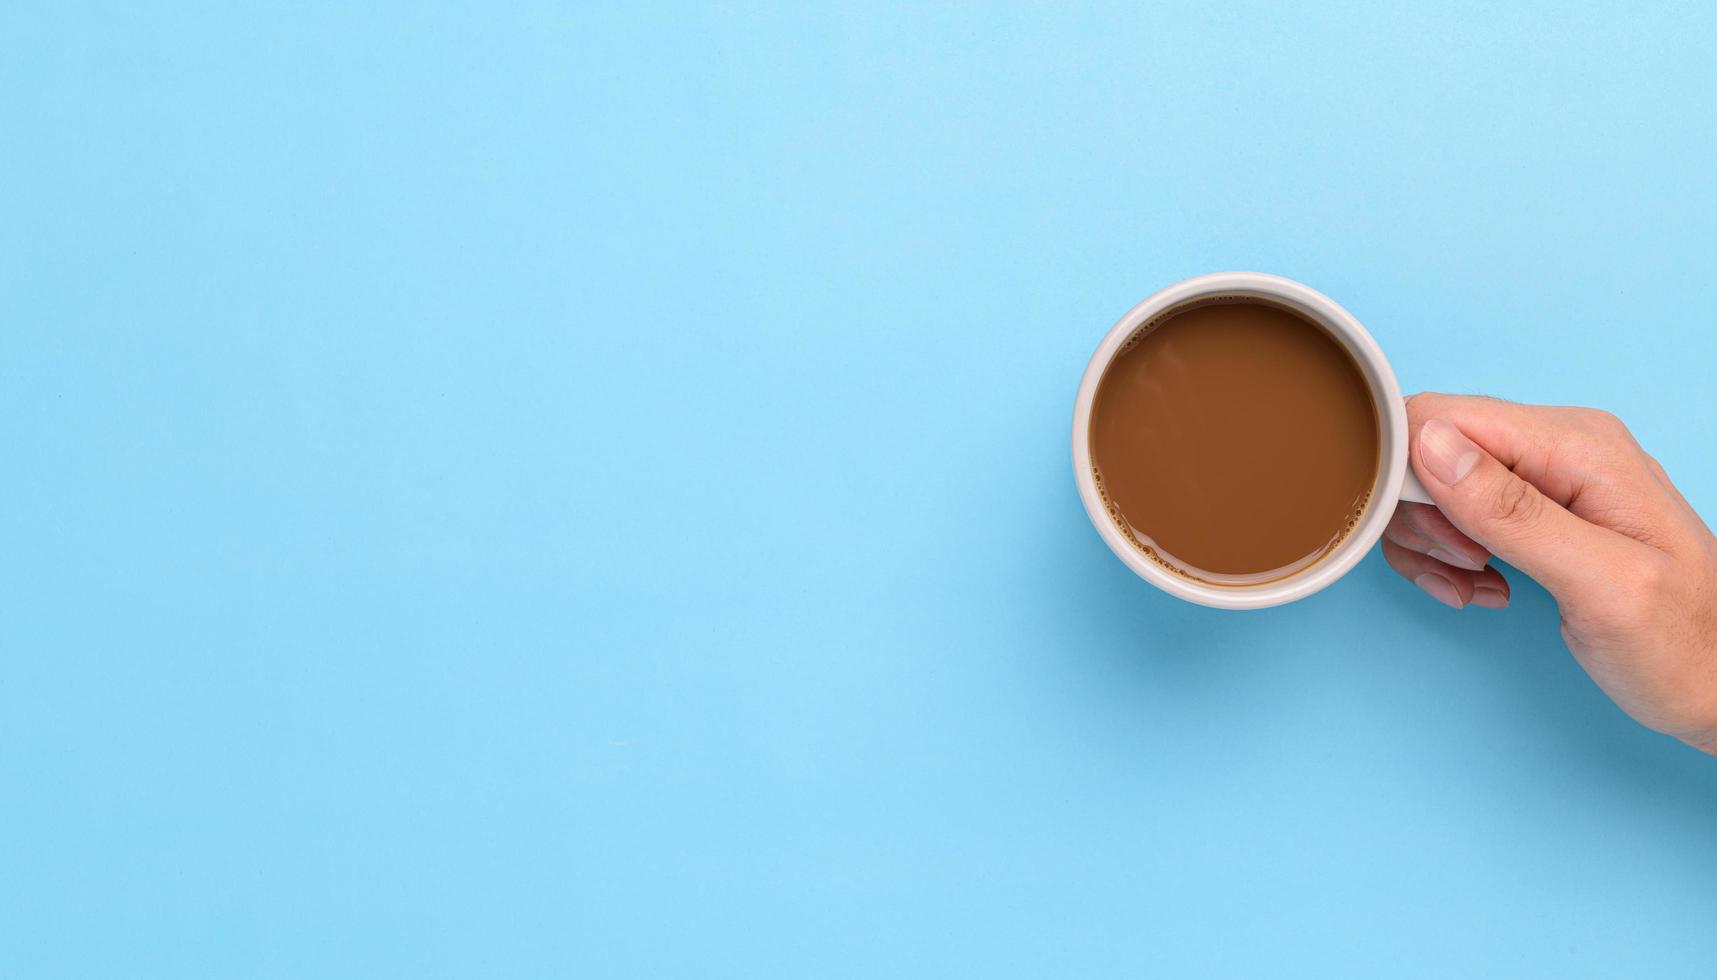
{"x":499,"y":489}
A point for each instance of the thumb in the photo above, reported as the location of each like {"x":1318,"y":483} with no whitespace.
{"x":1508,"y":515}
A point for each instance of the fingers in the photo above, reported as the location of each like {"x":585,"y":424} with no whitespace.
{"x":1515,"y":519}
{"x":1429,"y":551}
{"x":1456,"y":587}
{"x":1423,"y":528}
{"x":1564,"y":452}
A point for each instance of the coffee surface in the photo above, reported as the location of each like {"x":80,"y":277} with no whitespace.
{"x":1234,"y":441}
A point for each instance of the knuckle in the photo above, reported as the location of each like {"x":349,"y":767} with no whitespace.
{"x":1645,"y":578}
{"x":1638,"y":589}
{"x":1516,"y":504}
{"x":1605,"y":424}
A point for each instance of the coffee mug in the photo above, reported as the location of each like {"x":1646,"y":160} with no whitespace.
{"x":1395,"y":479}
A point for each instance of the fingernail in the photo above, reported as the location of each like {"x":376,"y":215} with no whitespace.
{"x":1490,"y":598}
{"x":1446,"y":452}
{"x":1440,"y":588}
{"x":1457,"y":560}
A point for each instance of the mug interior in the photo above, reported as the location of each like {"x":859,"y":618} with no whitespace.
{"x":1337,"y":323}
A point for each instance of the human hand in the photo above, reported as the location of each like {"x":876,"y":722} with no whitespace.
{"x":1568,"y":497}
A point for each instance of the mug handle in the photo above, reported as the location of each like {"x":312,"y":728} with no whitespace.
{"x":1412,"y":490}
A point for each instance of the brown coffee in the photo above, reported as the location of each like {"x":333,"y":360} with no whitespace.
{"x":1235,"y":442}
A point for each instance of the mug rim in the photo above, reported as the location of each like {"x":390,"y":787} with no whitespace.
{"x":1386,"y":396}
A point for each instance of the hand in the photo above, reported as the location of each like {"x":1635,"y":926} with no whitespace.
{"x":1567,"y":496}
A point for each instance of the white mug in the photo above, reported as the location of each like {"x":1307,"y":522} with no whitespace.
{"x":1395,"y":480}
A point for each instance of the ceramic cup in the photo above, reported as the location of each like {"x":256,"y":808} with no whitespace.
{"x":1395,"y":479}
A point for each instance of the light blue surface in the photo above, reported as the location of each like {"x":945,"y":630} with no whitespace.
{"x":500,"y":490}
